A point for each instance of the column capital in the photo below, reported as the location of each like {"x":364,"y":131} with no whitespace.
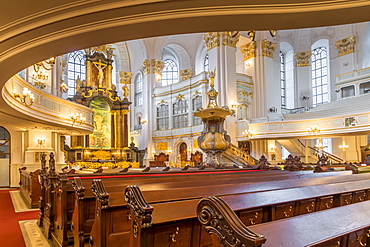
{"x":303,"y":58}
{"x":345,"y":46}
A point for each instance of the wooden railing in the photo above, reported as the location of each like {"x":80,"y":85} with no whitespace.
{"x":241,"y":154}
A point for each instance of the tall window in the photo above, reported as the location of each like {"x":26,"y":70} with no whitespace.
{"x":139,"y":90}
{"x":76,"y":69}
{"x":197,"y":102}
{"x":170,"y":73}
{"x":206,"y":63}
{"x":282,"y":80}
{"x":180,"y":114}
{"x":162,"y":117}
{"x":319,"y":76}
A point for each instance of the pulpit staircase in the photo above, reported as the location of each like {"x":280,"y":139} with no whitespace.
{"x":236,"y":156}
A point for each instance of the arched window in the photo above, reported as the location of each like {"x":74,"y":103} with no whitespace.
{"x":139,"y":90}
{"x":170,"y":73}
{"x":197,"y":102}
{"x":162,"y":117}
{"x":76,"y":69}
{"x":319,"y":76}
{"x":180,"y":114}
{"x":206,"y":63}
{"x":282,"y":80}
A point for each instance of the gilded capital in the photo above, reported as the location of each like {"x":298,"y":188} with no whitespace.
{"x":157,"y":66}
{"x":125,"y":77}
{"x":268,"y":48}
{"x":345,"y":46}
{"x":180,"y":96}
{"x":303,"y":58}
{"x":211,"y":40}
{"x":145,"y":66}
{"x":186,"y":74}
{"x":249,"y":50}
{"x":230,"y":38}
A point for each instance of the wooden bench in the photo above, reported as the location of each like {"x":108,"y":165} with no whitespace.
{"x":347,"y":226}
{"x":58,"y":216}
{"x":85,"y":207}
{"x":112,"y":210}
{"x":29,"y":187}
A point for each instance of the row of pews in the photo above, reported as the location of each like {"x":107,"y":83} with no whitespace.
{"x":205,"y":208}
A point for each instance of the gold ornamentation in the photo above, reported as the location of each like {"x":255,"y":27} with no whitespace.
{"x":211,"y":40}
{"x":249,"y":50}
{"x":230,"y":38}
{"x":106,"y":49}
{"x":268,"y":48}
{"x":63,"y":63}
{"x":162,"y":146}
{"x":63,"y":87}
{"x":197,"y":93}
{"x":125,"y":91}
{"x":157,"y":66}
{"x":186,"y":74}
{"x":195,"y":143}
{"x":146,"y":66}
{"x":211,"y":77}
{"x":180,"y":96}
{"x":125,"y":77}
{"x":345,"y":46}
{"x":303,"y":58}
{"x":163,"y":102}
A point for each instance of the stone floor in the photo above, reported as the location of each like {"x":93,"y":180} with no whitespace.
{"x":32,"y":235}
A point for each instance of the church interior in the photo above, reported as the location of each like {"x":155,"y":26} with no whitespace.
{"x":180,"y":123}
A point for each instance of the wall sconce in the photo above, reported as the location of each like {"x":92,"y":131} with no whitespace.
{"x":247,"y":134}
{"x":344,"y":147}
{"x":27,"y":98}
{"x":78,"y":119}
{"x":273,"y":109}
{"x":169,"y":151}
{"x":272,"y":148}
{"x":305,"y":97}
{"x":40,"y":141}
{"x":143,"y":121}
{"x":314,"y":129}
{"x":153,"y":152}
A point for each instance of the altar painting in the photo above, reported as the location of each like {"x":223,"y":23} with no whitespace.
{"x":101,"y":137}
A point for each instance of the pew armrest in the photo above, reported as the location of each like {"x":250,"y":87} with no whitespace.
{"x":79,"y":188}
{"x":218,"y":218}
{"x":139,"y":208}
{"x":100,"y":193}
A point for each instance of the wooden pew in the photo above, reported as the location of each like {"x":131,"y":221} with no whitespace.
{"x":347,"y":226}
{"x":29,"y":187}
{"x":58,"y":219}
{"x":85,"y":208}
{"x":112,"y":210}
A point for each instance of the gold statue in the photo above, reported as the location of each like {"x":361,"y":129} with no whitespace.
{"x":125,"y":91}
{"x":100,"y":66}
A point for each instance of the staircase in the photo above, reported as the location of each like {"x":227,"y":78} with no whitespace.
{"x":297,"y":148}
{"x":238,"y":157}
